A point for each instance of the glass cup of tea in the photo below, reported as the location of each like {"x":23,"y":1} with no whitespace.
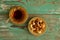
{"x":18,"y":15}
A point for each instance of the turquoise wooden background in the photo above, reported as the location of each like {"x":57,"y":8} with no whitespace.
{"x":49,"y":10}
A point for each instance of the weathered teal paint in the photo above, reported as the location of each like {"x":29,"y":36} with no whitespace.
{"x":49,"y":10}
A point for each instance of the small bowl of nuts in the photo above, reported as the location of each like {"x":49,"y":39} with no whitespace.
{"x":37,"y":26}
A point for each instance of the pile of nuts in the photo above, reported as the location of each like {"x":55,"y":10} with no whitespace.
{"x":36,"y":26}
